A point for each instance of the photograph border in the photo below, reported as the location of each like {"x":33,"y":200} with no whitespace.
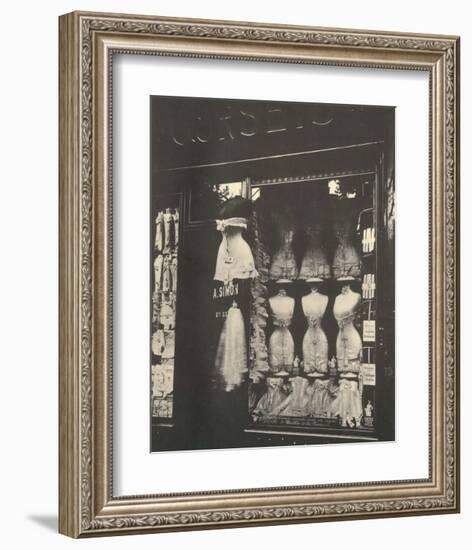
{"x":87,"y":43}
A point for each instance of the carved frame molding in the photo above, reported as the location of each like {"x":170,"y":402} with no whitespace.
{"x":88,"y":42}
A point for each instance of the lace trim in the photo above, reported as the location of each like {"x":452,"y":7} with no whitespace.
{"x":282,"y":323}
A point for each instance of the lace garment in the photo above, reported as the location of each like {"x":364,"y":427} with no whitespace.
{"x":231,"y":354}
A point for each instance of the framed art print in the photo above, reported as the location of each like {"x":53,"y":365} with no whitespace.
{"x":259,"y":274}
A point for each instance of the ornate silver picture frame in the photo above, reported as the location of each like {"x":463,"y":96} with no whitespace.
{"x":88,"y":505}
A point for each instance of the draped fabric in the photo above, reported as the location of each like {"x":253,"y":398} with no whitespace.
{"x":348,"y":403}
{"x":231,"y":354}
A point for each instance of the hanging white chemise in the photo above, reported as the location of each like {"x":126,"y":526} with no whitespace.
{"x":231,"y":354}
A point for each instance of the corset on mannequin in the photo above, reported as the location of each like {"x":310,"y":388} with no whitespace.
{"x":348,"y":342}
{"x":234,"y":259}
{"x":283,"y":267}
{"x":281,"y":345}
{"x":348,"y":403}
{"x":346,"y":260}
{"x":315,"y":343}
{"x":315,"y":264}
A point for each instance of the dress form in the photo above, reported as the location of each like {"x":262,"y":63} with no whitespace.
{"x":281,"y":345}
{"x":348,"y":403}
{"x":315,"y":343}
{"x":283,"y":267}
{"x":348,"y":342}
{"x":234,"y":259}
{"x":315,"y":264}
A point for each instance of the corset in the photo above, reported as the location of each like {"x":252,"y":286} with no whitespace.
{"x":284,"y":265}
{"x":282,"y":322}
{"x":313,"y":321}
{"x":349,"y":367}
{"x":234,"y":259}
{"x":314,"y":264}
{"x":343,"y":322}
{"x":346,"y":262}
{"x":315,"y":348}
{"x":281,"y":350}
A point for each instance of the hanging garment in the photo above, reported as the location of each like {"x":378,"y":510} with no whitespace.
{"x":234,"y":259}
{"x":231,"y":353}
{"x":296,"y":404}
{"x":348,"y":403}
{"x":158,"y":342}
{"x":169,"y":231}
{"x":284,"y":266}
{"x":322,"y":398}
{"x":315,"y":265}
{"x":274,"y":396}
{"x":176,"y":227}
{"x":169,"y":350}
{"x":173,"y":273}
{"x":346,"y":260}
{"x":348,"y":341}
{"x":166,"y":275}
{"x":158,"y":262}
{"x":159,"y":240}
{"x":167,"y":316}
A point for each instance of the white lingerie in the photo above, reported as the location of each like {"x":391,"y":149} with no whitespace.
{"x":234,"y":259}
{"x":231,"y":354}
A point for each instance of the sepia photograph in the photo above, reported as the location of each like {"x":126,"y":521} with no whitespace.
{"x":272,"y":281}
